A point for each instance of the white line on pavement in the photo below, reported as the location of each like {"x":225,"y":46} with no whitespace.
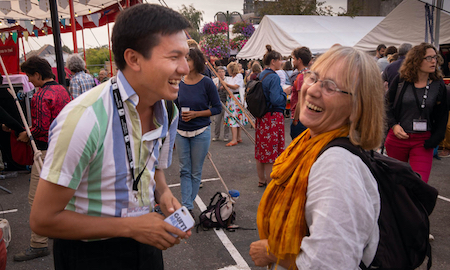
{"x":443,"y":198}
{"x":204,"y":180}
{"x":8,"y":211}
{"x":241,"y":263}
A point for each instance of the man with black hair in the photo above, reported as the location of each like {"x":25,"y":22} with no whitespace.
{"x":103,"y":174}
{"x":380,"y":52}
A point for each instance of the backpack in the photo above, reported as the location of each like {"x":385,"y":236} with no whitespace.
{"x":406,"y":203}
{"x":219,"y":213}
{"x":255,"y":97}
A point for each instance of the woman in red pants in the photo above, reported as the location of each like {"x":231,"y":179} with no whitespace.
{"x":417,"y":110}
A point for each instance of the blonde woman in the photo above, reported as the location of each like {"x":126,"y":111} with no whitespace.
{"x":322,"y":212}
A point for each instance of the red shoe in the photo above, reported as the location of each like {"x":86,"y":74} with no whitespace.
{"x":231,"y":144}
{"x":240,"y":141}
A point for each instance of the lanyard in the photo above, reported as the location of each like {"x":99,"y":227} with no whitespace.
{"x":123,"y":122}
{"x":422,"y":106}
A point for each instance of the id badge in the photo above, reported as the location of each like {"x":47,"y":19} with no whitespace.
{"x":420,"y":124}
{"x":135,"y":211}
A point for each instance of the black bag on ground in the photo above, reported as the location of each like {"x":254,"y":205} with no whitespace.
{"x":255,"y":98}
{"x":406,"y":203}
{"x":219,"y":213}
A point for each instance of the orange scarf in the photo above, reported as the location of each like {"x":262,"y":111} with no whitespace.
{"x":281,"y":212}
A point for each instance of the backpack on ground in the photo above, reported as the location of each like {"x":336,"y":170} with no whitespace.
{"x":219,"y":213}
{"x":406,"y":203}
{"x":255,"y":98}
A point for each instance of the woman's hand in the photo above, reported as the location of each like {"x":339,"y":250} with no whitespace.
{"x":188,"y":116}
{"x":399,"y":132}
{"x":259,"y":254}
{"x":23,"y":137}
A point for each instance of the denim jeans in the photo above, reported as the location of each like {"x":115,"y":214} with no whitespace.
{"x":191,"y":154}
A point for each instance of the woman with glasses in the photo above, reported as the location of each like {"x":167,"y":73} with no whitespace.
{"x":321,"y":212}
{"x":417,"y":110}
{"x":269,"y":129}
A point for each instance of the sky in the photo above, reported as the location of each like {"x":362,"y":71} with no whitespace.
{"x":97,"y":37}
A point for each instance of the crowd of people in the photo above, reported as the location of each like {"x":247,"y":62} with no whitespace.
{"x":111,"y":139}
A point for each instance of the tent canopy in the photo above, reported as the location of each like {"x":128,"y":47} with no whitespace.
{"x":287,"y":32}
{"x":405,"y":24}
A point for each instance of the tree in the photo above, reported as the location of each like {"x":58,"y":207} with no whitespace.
{"x":195,"y":17}
{"x":300,"y":7}
{"x":96,"y":58}
{"x":66,"y":49}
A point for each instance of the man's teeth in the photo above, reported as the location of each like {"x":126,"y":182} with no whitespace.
{"x":313,"y":107}
{"x":176,"y":82}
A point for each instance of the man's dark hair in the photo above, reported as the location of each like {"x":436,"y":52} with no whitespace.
{"x":37,"y":64}
{"x":304,"y":54}
{"x":197,"y":57}
{"x":390,"y":50}
{"x":381,"y":46}
{"x":140,"y":27}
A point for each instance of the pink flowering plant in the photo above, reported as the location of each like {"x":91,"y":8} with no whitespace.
{"x":244,"y":28}
{"x":215,"y":45}
{"x":238,"y":42}
{"x":214,"y":28}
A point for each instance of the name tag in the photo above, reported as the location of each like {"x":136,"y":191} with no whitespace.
{"x":135,"y":211}
{"x":420,"y":125}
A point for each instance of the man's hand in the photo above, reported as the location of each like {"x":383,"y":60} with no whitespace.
{"x":23,"y":137}
{"x":151,"y":229}
{"x":399,"y":132}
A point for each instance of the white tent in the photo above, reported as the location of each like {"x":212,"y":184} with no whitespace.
{"x":406,"y":23}
{"x":287,"y":32}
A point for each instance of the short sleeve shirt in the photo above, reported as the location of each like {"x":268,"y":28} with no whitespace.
{"x":87,"y":151}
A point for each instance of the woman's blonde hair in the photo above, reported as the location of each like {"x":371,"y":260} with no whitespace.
{"x":361,"y":77}
{"x":233,"y":68}
{"x":256,"y":67}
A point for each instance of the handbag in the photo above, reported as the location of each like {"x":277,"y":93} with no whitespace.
{"x":21,"y":152}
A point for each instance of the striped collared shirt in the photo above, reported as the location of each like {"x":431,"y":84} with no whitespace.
{"x":87,"y":151}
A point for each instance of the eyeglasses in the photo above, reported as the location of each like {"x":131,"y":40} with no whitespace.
{"x":311,"y":78}
{"x":430,"y":58}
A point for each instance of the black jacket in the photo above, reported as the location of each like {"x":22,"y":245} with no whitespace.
{"x":439,"y":114}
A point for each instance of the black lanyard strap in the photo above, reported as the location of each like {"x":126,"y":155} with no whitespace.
{"x":422,"y":106}
{"x":123,"y":122}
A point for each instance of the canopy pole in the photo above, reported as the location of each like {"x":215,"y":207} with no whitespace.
{"x":84,"y":46}
{"x":109,"y":47}
{"x":23,"y":48}
{"x":437,"y":24}
{"x":57,"y":41}
{"x":73,"y":27}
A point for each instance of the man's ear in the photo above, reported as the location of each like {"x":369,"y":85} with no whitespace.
{"x":133,"y":59}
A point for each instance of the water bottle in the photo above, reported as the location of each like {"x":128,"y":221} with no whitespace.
{"x":234,"y":194}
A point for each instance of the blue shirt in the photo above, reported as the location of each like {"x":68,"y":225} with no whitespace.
{"x":198,"y":97}
{"x":275,"y":96}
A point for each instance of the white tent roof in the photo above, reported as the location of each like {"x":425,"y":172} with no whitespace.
{"x":406,"y":23}
{"x":287,"y":32}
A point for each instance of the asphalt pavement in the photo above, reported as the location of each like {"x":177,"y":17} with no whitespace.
{"x":218,"y":249}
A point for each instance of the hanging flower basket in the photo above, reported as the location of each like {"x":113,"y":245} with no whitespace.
{"x":214,"y":28}
{"x":244,"y":28}
{"x":238,"y":42}
{"x":215,"y":45}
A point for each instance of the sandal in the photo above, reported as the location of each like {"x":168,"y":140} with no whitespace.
{"x":240,"y":141}
{"x":231,"y":144}
{"x":261,"y":184}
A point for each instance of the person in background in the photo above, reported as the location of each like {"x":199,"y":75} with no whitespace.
{"x":417,"y":110}
{"x":248,"y":71}
{"x":46,"y":104}
{"x":301,"y":58}
{"x":103,"y":174}
{"x":383,"y":61}
{"x":392,"y":58}
{"x":219,"y":119}
{"x":103,"y":75}
{"x":321,"y":212}
{"x":379,"y":52}
{"x":198,"y":99}
{"x":269,"y":129}
{"x":81,"y":81}
{"x":236,"y":84}
{"x":256,"y":70}
{"x":392,"y":70}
